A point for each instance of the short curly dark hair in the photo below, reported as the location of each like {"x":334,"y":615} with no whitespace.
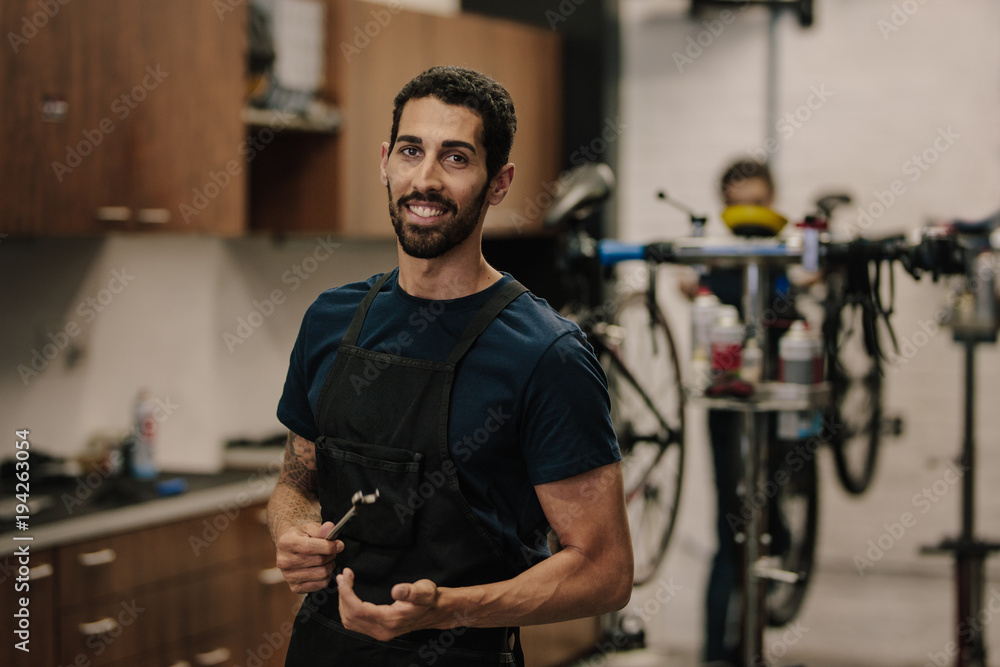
{"x":471,"y":89}
{"x":741,"y":170}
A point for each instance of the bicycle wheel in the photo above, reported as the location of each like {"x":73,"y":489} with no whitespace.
{"x":854,"y":416}
{"x":794,"y":520}
{"x":647,"y":408}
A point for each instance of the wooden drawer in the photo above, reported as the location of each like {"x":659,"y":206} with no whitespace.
{"x":40,"y":594}
{"x":119,"y":626}
{"x":119,"y":563}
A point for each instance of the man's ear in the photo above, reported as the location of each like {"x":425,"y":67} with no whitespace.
{"x":382,"y":165}
{"x":501,"y":184}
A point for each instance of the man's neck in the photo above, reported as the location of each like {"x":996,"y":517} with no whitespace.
{"x":445,"y":277}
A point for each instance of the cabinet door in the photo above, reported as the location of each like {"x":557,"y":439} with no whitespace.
{"x":125,"y":113}
{"x":39,"y":593}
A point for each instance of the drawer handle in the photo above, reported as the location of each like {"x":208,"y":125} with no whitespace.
{"x":40,"y":571}
{"x":216,"y":657}
{"x":153,"y":216}
{"x":95,"y":558}
{"x":103,"y":626}
{"x":271,"y":576}
{"x":114,"y":213}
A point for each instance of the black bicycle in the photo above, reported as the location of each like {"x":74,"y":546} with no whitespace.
{"x":636,"y":347}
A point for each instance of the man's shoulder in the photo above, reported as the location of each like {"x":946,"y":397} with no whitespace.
{"x":343,"y":298}
{"x":536,"y":323}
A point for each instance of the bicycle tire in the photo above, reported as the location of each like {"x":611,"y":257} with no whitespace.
{"x":794,"y":542}
{"x":854,"y":416}
{"x":647,"y":405}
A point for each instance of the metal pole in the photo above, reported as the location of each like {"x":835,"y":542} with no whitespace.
{"x":770,"y":132}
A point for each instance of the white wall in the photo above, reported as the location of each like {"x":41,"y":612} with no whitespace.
{"x":889,"y":97}
{"x":171,"y":323}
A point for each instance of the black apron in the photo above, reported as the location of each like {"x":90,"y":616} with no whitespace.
{"x":383,"y":423}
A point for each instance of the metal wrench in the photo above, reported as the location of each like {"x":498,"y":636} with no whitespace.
{"x":358,"y":498}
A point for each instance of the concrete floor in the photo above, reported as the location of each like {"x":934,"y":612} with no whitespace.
{"x":899,"y":612}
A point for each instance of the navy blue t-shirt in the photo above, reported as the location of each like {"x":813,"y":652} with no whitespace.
{"x":529,"y":404}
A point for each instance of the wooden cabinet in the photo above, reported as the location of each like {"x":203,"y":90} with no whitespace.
{"x":124,"y":114}
{"x":128,"y":116}
{"x":382,"y":48}
{"x":39,"y":591}
{"x":202,"y":591}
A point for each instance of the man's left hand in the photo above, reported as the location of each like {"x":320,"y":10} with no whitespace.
{"x":415,"y":607}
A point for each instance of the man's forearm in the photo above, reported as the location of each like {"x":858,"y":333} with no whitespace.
{"x":291,"y":505}
{"x":569,"y":584}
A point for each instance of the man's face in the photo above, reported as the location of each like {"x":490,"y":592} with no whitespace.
{"x":436,"y":177}
{"x":749,"y":192}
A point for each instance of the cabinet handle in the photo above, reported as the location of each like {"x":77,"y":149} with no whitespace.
{"x":270,"y":576}
{"x":100,"y":627}
{"x":153,"y":216}
{"x":95,"y":558}
{"x":40,"y":571}
{"x":216,"y":657}
{"x":114,"y":213}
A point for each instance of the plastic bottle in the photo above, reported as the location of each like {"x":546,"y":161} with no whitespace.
{"x":727,"y":343}
{"x":750,"y":369}
{"x":800,"y":362}
{"x":142,"y":460}
{"x":704,"y":309}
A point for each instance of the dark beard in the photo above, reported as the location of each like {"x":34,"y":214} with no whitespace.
{"x":431,"y":242}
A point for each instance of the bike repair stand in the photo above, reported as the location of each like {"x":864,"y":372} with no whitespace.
{"x":754,"y":541}
{"x":970,"y":553}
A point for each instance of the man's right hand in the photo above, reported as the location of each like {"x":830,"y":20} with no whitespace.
{"x":305,"y":558}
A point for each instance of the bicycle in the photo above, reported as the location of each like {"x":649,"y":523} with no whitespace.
{"x":633,"y":339}
{"x":636,"y":348}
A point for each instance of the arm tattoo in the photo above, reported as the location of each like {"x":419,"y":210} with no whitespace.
{"x":294,"y":500}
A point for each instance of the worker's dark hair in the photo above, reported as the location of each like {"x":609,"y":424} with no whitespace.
{"x":475,"y":91}
{"x":741,"y":170}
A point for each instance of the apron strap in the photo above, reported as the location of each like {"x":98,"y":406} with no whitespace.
{"x":484,"y":317}
{"x":354,"y":330}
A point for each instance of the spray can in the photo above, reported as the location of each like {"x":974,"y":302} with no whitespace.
{"x":142,"y":461}
{"x":727,"y":343}
{"x":800,"y":361}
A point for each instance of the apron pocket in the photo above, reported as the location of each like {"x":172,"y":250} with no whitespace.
{"x":345,"y":467}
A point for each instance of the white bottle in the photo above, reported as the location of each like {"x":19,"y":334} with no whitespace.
{"x":143,"y":460}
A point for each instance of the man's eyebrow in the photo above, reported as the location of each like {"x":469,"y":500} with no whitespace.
{"x":456,"y":143}
{"x":409,"y":139}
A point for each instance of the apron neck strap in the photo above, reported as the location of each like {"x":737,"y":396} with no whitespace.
{"x":353,"y":331}
{"x":482,"y":319}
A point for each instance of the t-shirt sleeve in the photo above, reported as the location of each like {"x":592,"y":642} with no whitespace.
{"x":567,"y":415}
{"x":294,"y":410}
